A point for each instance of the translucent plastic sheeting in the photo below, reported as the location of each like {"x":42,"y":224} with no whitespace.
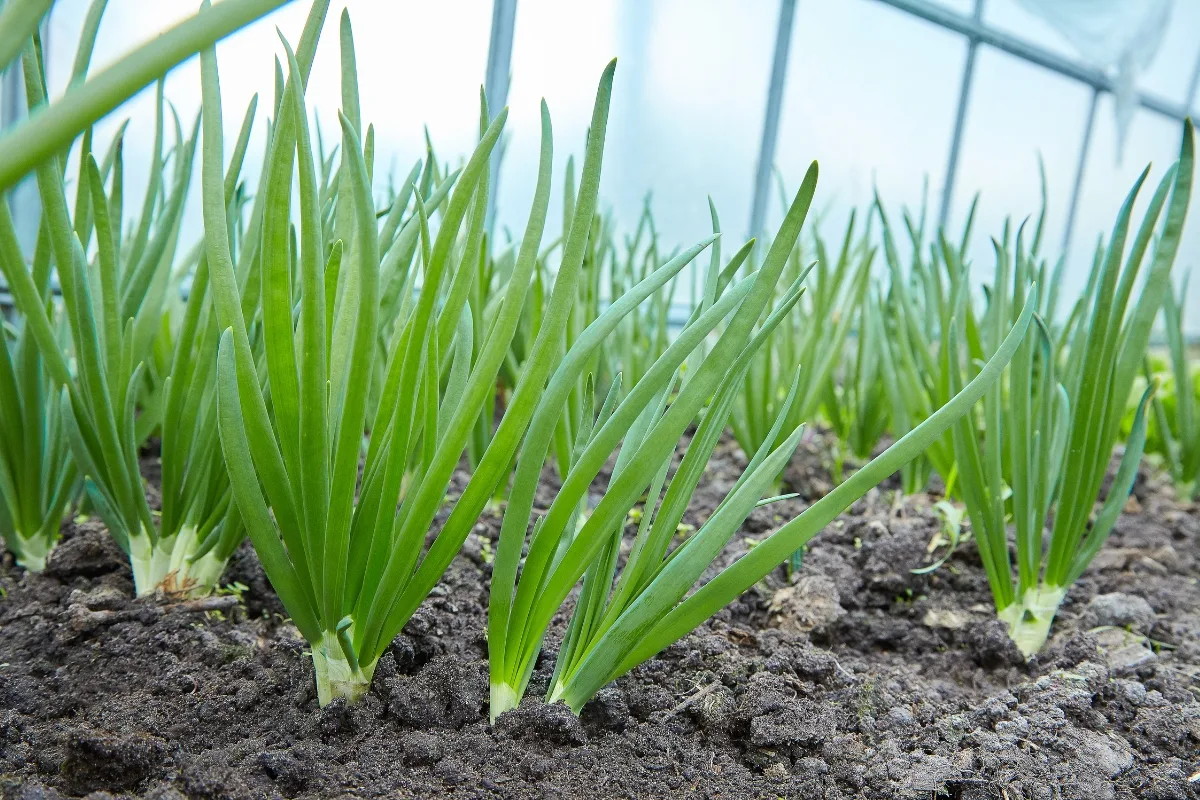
{"x":870,"y":92}
{"x":1115,"y":35}
{"x":1172,"y":71}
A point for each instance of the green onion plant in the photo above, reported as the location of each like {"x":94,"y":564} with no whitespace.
{"x":917,"y":308}
{"x":1042,"y":446}
{"x":38,"y":478}
{"x":644,"y":334}
{"x":811,"y":339}
{"x":1174,"y":429}
{"x":621,"y":620}
{"x":854,"y":400}
{"x":346,"y":548}
{"x":115,"y":302}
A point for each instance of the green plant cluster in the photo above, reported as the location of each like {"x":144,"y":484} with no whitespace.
{"x":336,"y":357}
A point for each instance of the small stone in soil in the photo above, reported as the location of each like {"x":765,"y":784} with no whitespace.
{"x":1120,"y":610}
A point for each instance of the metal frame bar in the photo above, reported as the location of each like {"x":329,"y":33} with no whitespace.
{"x":499,"y":67}
{"x":960,"y":118}
{"x":25,"y":203}
{"x":978,"y":33}
{"x":1193,"y":84}
{"x":12,"y":106}
{"x":1032,"y":53}
{"x":770,"y":134}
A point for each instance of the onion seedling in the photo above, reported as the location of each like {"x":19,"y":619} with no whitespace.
{"x":812,"y":338}
{"x":1048,"y":440}
{"x":114,"y":304}
{"x":38,"y":479}
{"x":919,"y":308}
{"x":1174,"y":426}
{"x":854,"y":401}
{"x":918,"y":305}
{"x":621,"y":621}
{"x":644,"y":334}
{"x":348,"y":556}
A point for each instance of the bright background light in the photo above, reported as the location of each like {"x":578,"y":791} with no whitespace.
{"x":870,"y":93}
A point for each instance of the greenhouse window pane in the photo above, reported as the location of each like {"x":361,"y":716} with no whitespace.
{"x":1020,"y":111}
{"x":1171,"y":70}
{"x":1152,"y":140}
{"x":964,"y":7}
{"x":420,"y":66}
{"x":871,"y":94}
{"x":686,"y":116}
{"x":1166,"y":75}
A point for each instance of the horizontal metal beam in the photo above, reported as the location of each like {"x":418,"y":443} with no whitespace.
{"x":1096,"y":78}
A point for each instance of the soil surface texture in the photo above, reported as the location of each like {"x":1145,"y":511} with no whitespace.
{"x":853,"y":678}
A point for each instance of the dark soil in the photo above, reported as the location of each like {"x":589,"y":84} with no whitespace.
{"x":857,"y":678}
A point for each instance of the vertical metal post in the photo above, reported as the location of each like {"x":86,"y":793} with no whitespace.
{"x":960,"y":118}
{"x":1084,"y":146}
{"x":23,"y":199}
{"x":1189,"y":99}
{"x":12,"y":96}
{"x":495,"y":85}
{"x":770,"y":134}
